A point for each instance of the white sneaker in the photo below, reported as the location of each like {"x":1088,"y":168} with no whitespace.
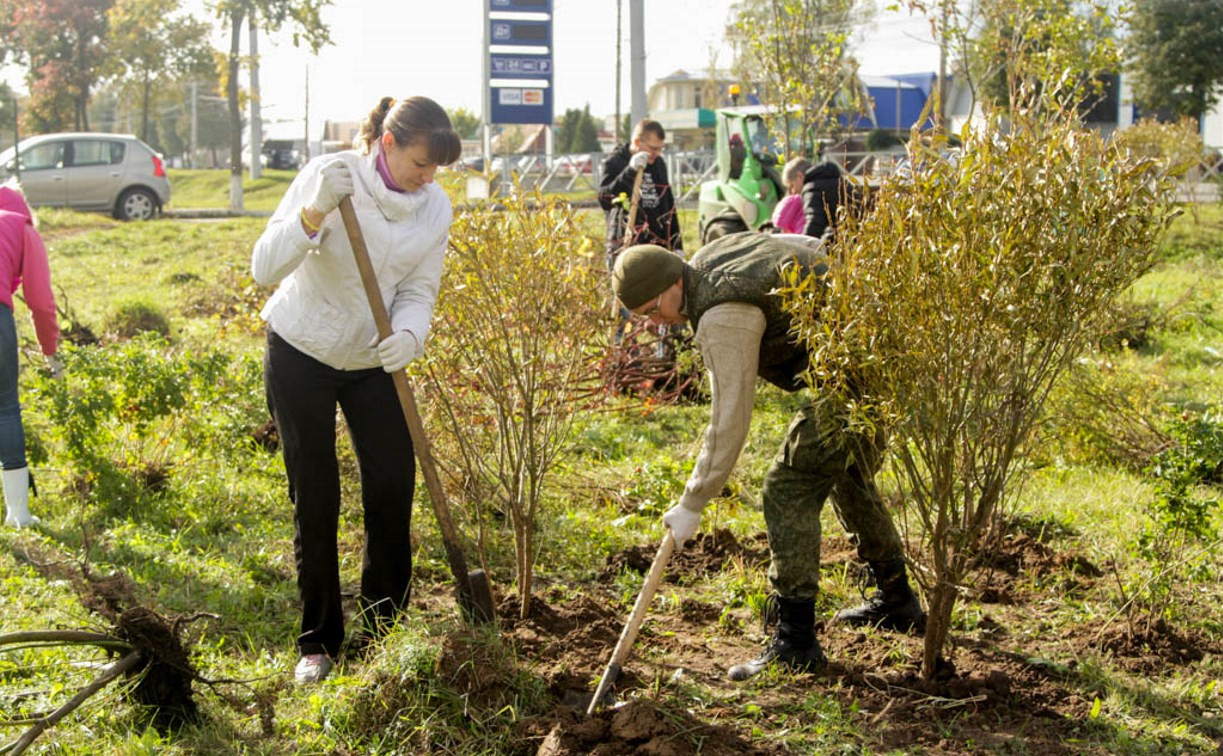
{"x":311,"y":668}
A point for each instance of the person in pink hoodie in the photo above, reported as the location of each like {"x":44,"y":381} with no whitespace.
{"x":788,"y":215}
{"x":23,"y":262}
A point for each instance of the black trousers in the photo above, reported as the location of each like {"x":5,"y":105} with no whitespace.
{"x":302,"y":394}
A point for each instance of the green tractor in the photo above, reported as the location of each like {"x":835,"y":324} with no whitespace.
{"x":748,"y":187}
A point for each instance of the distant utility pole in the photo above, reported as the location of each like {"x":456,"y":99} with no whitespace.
{"x":256,"y":120}
{"x":619,"y":37}
{"x":942,"y":67}
{"x":194,"y":122}
{"x":636,"y":27}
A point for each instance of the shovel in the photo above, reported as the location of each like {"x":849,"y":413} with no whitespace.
{"x":475,"y":592}
{"x":628,"y":232}
{"x":636,"y":202}
{"x":635,"y":618}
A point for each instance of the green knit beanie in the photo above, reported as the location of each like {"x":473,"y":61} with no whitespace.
{"x":643,"y":272}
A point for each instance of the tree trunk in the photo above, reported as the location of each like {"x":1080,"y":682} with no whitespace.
{"x":525,"y":567}
{"x":235,"y":115}
{"x":256,"y":118}
{"x":145,"y":88}
{"x":938,"y":624}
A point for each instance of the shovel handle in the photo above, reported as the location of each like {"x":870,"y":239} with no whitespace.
{"x":633,"y":205}
{"x":635,"y":618}
{"x":420,"y":442}
{"x":628,"y":229}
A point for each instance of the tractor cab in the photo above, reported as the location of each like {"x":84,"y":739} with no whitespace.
{"x":747,"y":187}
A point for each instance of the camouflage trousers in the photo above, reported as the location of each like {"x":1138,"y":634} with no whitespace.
{"x":820,"y":457}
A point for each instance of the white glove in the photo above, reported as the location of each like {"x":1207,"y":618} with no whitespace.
{"x":334,"y":183}
{"x":56,"y":366}
{"x":683,"y":523}
{"x":397,"y":350}
{"x":639,"y":160}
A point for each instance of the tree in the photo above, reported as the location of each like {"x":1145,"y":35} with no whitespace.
{"x":578,"y":132}
{"x":63,"y":45}
{"x":1175,"y":50}
{"x":515,"y":354}
{"x":8,"y":112}
{"x":1035,"y":53}
{"x":799,"y":50}
{"x":465,"y":122}
{"x":151,"y":45}
{"x":958,"y":301}
{"x":307,"y":24}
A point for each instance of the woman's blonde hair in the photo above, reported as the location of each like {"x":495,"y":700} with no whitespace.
{"x":794,"y":168}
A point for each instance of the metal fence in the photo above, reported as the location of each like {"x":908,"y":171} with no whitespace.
{"x":688,"y":170}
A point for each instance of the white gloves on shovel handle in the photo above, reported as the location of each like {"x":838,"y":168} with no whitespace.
{"x":639,"y":160}
{"x":334,"y":183}
{"x":397,"y":350}
{"x":683,"y":523}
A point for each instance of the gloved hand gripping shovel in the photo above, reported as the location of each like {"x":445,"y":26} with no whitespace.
{"x":635,"y":618}
{"x":475,"y":593}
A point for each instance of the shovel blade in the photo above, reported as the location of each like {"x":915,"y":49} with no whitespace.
{"x":477,"y":602}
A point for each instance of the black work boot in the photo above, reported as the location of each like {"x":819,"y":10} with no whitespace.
{"x":893,"y":605}
{"x":793,"y":645}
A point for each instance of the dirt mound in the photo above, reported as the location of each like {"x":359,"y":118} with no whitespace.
{"x":637,"y":727}
{"x":567,"y":642}
{"x":706,"y":553}
{"x":978,"y":703}
{"x":1020,"y":554}
{"x":1160,"y":647}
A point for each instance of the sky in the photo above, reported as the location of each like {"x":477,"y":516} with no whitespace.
{"x":434,"y":48}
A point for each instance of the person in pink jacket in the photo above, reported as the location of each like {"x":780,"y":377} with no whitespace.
{"x":788,"y":216}
{"x":23,"y":262}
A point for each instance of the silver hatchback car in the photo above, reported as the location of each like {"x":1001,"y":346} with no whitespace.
{"x":115,"y":173}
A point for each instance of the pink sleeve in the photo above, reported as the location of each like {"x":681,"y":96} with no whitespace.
{"x":788,"y":215}
{"x":36,"y":285}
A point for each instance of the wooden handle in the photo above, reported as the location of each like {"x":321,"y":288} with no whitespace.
{"x":632,"y":212}
{"x":420,"y":442}
{"x":635,"y":618}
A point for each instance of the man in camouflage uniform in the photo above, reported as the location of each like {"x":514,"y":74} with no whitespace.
{"x":727,"y":290}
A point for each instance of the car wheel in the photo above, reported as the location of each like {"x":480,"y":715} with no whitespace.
{"x":137,"y":204}
{"x":722,"y":227}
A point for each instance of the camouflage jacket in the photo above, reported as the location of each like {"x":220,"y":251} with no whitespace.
{"x":747,"y":267}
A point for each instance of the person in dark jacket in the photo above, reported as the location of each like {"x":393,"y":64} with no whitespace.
{"x":656,"y":221}
{"x":727,"y":291}
{"x":825,"y":189}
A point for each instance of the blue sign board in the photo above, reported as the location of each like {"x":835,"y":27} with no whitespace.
{"x":520,"y":71}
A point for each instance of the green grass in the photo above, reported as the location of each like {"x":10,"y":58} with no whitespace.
{"x":217,"y":536}
{"x":194,"y":189}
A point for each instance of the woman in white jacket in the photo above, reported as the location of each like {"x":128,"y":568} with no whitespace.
{"x":323,"y":350}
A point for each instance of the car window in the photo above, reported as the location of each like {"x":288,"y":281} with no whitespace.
{"x":42,"y":156}
{"x":96,"y":152}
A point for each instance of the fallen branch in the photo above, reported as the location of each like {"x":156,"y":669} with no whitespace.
{"x":121,"y":667}
{"x":40,"y":638}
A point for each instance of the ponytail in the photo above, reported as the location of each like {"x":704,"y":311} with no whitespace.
{"x":371,"y":129}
